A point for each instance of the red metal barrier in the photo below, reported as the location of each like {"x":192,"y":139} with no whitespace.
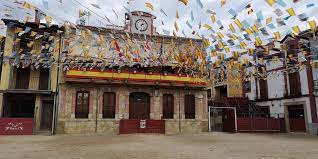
{"x":297,"y":124}
{"x":16,"y":126}
{"x":258,"y":124}
{"x":130,"y":126}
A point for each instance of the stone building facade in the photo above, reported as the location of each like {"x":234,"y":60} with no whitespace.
{"x":95,"y":123}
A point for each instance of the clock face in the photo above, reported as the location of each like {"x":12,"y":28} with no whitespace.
{"x":141,"y":25}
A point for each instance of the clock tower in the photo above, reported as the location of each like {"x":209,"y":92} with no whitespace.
{"x":140,"y":22}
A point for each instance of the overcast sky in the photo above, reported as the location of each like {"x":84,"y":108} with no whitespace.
{"x":69,"y":9}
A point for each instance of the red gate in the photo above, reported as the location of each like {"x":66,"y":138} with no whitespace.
{"x":16,"y":126}
{"x":130,"y":126}
{"x":259,"y":124}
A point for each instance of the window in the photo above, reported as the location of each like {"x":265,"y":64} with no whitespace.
{"x":109,"y":105}
{"x":247,"y":87}
{"x":209,"y":94}
{"x":294,"y":84}
{"x":263,"y":89}
{"x":316,"y":87}
{"x":167,"y":106}
{"x":44,"y":79}
{"x":189,"y":107}
{"x":22,"y":78}
{"x":82,"y":104}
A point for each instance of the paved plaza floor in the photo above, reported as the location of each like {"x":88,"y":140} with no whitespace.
{"x":152,"y":146}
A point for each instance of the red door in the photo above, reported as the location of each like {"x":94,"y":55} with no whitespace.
{"x":228,"y":119}
{"x":139,"y":105}
{"x":296,"y":118}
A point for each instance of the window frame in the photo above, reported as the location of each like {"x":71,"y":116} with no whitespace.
{"x":79,"y":115}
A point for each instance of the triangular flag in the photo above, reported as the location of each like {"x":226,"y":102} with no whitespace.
{"x":296,"y":29}
{"x":150,"y":6}
{"x":232,"y":28}
{"x":277,"y":36}
{"x":312,"y":25}
{"x":291,"y":11}
{"x":271,"y":2}
{"x":185,"y":2}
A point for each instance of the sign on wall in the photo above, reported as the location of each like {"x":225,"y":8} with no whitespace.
{"x":16,"y":126}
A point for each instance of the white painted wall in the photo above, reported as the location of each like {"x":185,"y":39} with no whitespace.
{"x":303,"y":81}
{"x":278,"y":106}
{"x":275,"y":80}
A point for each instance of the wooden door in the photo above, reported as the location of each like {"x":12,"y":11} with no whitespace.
{"x":228,"y":119}
{"x":139,"y":105}
{"x":189,"y":107}
{"x":46,"y":115}
{"x":109,"y":105}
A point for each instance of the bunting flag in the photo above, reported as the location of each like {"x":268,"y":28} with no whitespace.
{"x":232,"y":28}
{"x":312,"y":25}
{"x":249,"y":31}
{"x":243,"y":45}
{"x":207,"y":26}
{"x":260,"y":16}
{"x":271,"y":2}
{"x":220,"y":35}
{"x":220,"y":44}
{"x":149,"y":5}
{"x":185,"y":2}
{"x":291,"y":11}
{"x":233,"y":13}
{"x":281,"y":3}
{"x":255,"y":29}
{"x":227,"y":50}
{"x":213,"y":18}
{"x":296,"y":29}
{"x":258,"y":41}
{"x":278,"y":12}
{"x":277,"y":35}
{"x":238,"y":23}
{"x":27,"y":5}
{"x":269,"y":20}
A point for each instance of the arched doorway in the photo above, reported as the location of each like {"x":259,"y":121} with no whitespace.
{"x":139,"y":105}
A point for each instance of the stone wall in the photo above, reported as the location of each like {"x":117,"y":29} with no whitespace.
{"x":67,"y":123}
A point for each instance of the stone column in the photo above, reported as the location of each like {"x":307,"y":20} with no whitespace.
{"x":123,"y":104}
{"x":37,"y":113}
{"x":1,"y":104}
{"x":155,"y":106}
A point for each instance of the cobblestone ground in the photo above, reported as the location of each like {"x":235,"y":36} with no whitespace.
{"x":144,"y":146}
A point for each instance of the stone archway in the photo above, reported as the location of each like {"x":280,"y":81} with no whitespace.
{"x":139,"y":105}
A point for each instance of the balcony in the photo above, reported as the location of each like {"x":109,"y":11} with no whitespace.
{"x":25,"y":80}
